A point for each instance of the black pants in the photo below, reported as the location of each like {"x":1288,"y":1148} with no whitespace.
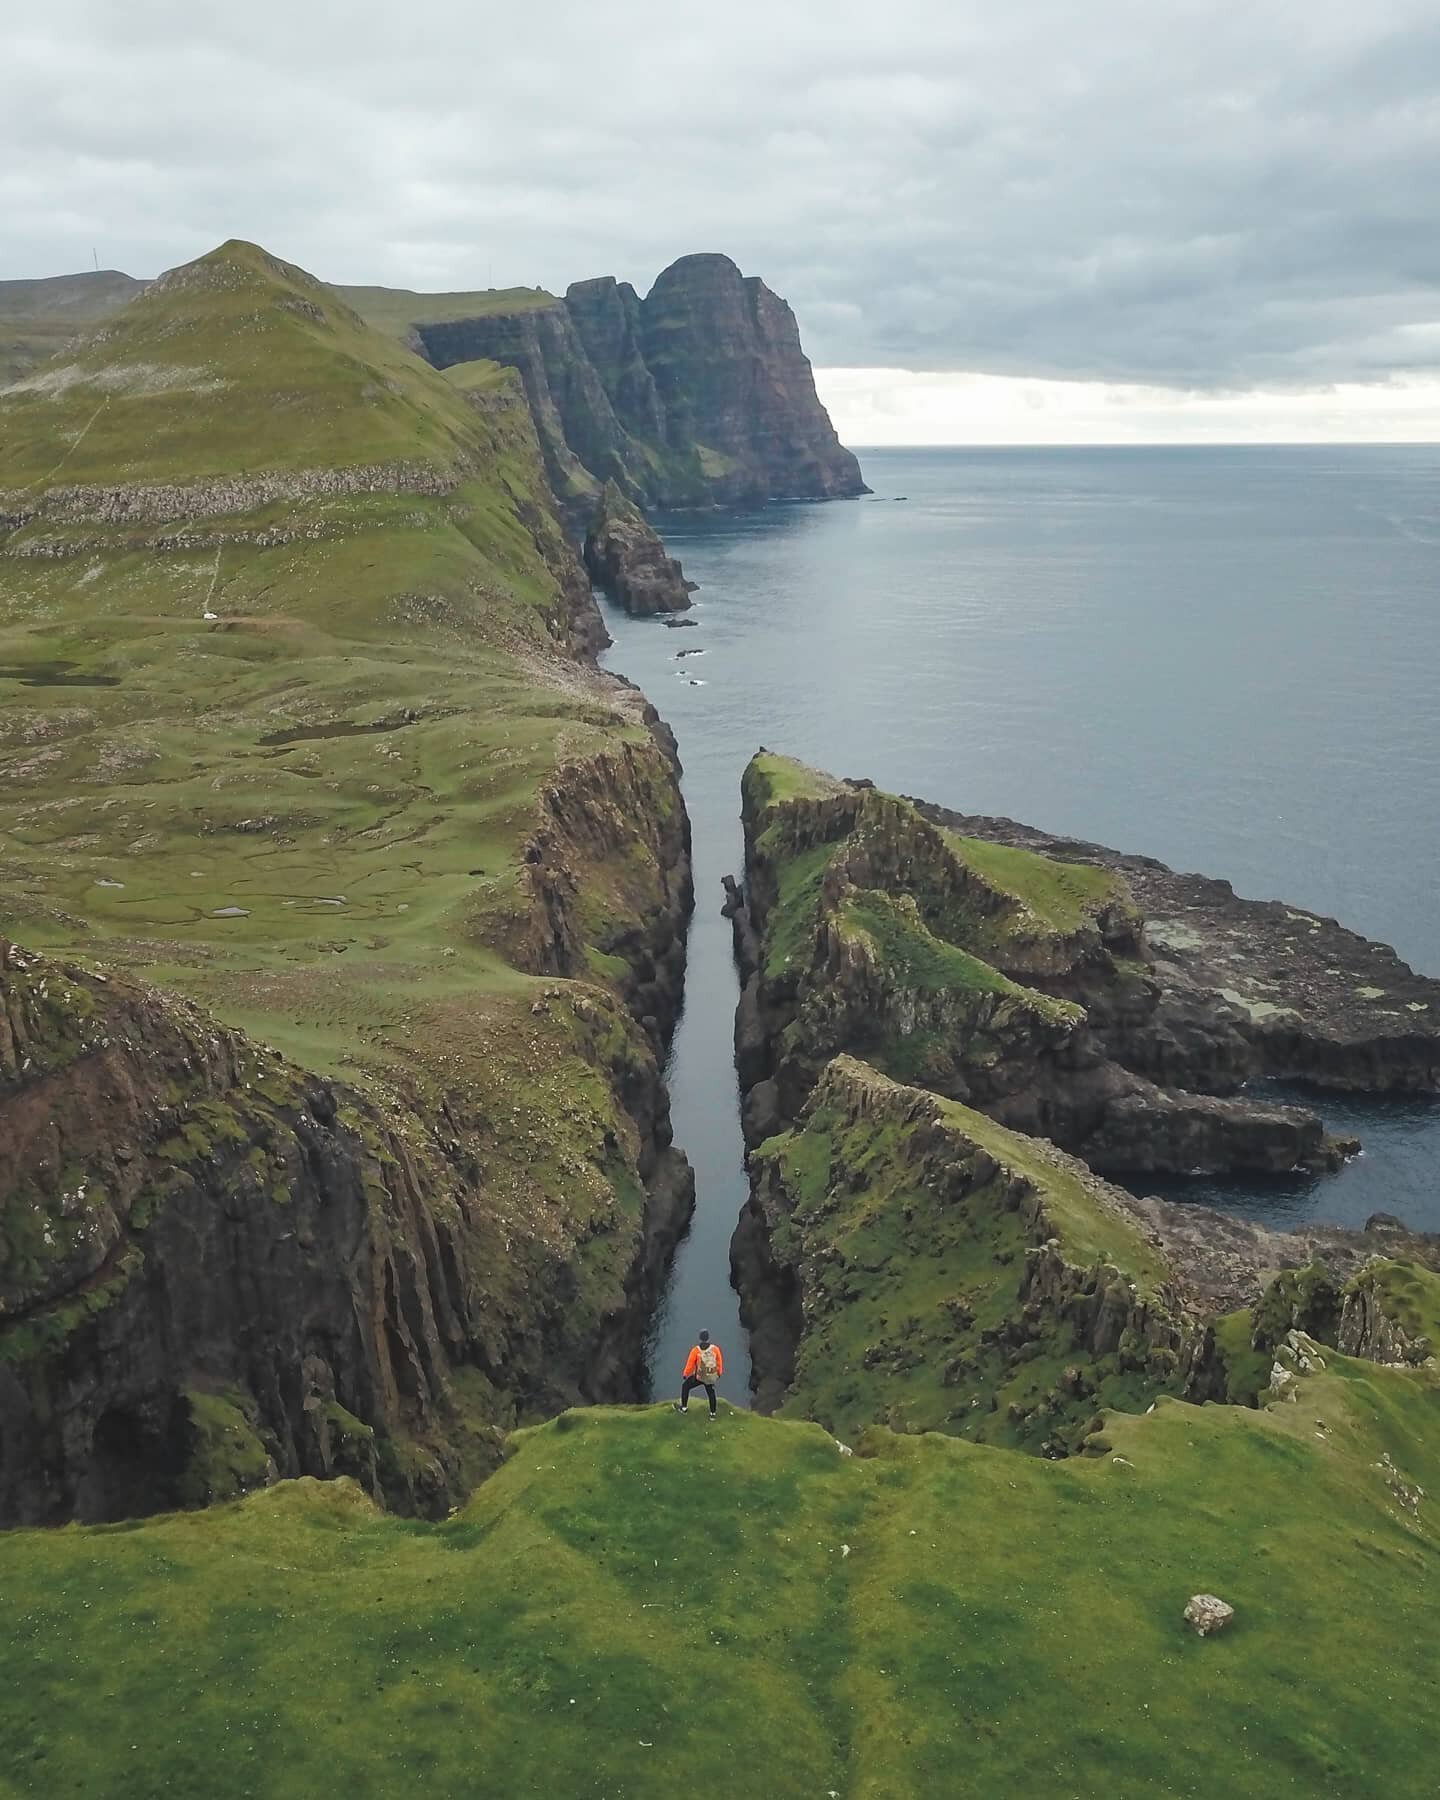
{"x":688,"y":1387}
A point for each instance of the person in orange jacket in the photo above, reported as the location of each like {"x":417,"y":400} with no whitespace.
{"x":703,"y":1368}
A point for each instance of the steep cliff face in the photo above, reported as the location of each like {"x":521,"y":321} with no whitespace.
{"x":733,"y":381}
{"x":219,"y":1270}
{"x":937,"y":1265}
{"x":697,"y":395}
{"x":905,"y":1260}
{"x":606,"y":315}
{"x":332,"y":1128}
{"x":582,"y":441}
{"x":994,"y":976}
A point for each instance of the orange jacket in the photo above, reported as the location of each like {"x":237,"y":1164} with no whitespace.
{"x":692,"y":1362}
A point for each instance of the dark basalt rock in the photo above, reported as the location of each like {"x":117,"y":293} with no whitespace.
{"x":582,"y":442}
{"x":606,"y":315}
{"x":733,"y":380}
{"x":1221,"y":1263}
{"x":626,"y":558}
{"x":698,"y":395}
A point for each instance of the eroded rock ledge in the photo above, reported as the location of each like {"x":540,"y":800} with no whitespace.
{"x":1251,"y":988}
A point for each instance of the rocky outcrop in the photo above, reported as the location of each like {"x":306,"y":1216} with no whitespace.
{"x":616,"y":818}
{"x":1378,"y":1319}
{"x":884,"y":1199}
{"x":626,"y":558}
{"x":150,"y":503}
{"x":904,"y":1260}
{"x":698,"y":395}
{"x":1012,"y":983}
{"x":1249,"y":988}
{"x":1221,"y":1264}
{"x":878,"y":938}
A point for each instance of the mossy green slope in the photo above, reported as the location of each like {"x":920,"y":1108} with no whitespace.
{"x":921,"y":951}
{"x":643,"y":1605}
{"x":345,"y":760}
{"x":956,"y":1276}
{"x":1009,"y":906}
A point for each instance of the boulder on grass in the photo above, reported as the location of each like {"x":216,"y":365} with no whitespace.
{"x":1208,"y":1614}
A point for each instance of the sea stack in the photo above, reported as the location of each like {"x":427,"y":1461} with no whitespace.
{"x":626,"y":558}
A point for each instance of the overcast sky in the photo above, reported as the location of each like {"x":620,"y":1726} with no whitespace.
{"x":1235,"y":200}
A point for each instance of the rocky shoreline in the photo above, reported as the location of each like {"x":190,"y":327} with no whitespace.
{"x":1074,"y":995}
{"x":1256,"y":988}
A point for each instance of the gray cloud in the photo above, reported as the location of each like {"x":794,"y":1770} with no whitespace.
{"x":1200,"y":195}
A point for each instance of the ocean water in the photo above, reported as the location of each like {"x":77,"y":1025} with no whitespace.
{"x":1225,"y":658}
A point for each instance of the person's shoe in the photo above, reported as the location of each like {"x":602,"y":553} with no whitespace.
{"x":680,"y":1408}
{"x":710,"y":1416}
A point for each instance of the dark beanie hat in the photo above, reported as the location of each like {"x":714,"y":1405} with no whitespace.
{"x":704,"y":1337}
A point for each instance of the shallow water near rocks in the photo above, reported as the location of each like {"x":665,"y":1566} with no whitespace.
{"x":1223,"y":658}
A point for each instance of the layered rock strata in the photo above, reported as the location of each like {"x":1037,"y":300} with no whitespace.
{"x":192,"y":1225}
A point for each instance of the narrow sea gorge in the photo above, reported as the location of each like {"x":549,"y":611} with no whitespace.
{"x":1221,"y":658}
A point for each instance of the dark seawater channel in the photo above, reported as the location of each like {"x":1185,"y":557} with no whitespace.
{"x":1227,"y":659}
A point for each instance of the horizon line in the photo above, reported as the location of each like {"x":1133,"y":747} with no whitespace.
{"x":1165,"y":444}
